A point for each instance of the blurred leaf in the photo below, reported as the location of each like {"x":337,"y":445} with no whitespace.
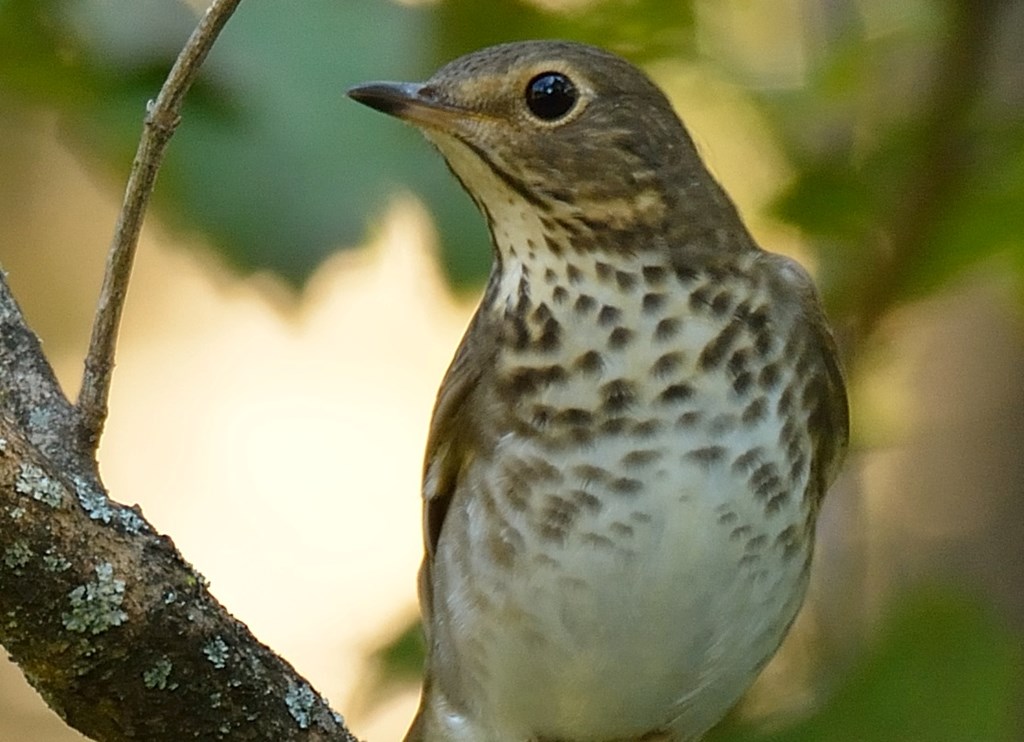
{"x":941,"y":670}
{"x":395,"y":666}
{"x":639,"y":29}
{"x":401,"y":659}
{"x":909,"y":162}
{"x":265,"y":162}
{"x":271,"y":161}
{"x":42,"y":60}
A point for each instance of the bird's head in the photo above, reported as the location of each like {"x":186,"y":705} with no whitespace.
{"x":559,"y":124}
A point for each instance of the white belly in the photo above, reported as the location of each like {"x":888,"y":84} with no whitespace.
{"x":642,"y":587}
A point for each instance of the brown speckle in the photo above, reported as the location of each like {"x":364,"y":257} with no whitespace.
{"x":727,"y":518}
{"x":707,"y":455}
{"x":625,"y":486}
{"x":597,"y":540}
{"x":559,"y":295}
{"x":570,"y":583}
{"x":796,"y":468}
{"x":590,"y":473}
{"x":543,"y":559}
{"x":721,"y":303}
{"x":740,"y":532}
{"x":626,"y":280}
{"x":516,"y":498}
{"x":584,"y":304}
{"x":502,"y":552}
{"x":700,"y":298}
{"x":552,"y":532}
{"x":755,"y":411}
{"x":618,"y":395}
{"x":654,"y":275}
{"x":552,"y":375}
{"x":689,"y":419}
{"x":541,"y":415}
{"x":541,"y":314}
{"x":604,"y":271}
{"x":789,"y":540}
{"x":609,"y":315}
{"x":738,"y":361}
{"x":574,"y":416}
{"x":648,"y":428}
{"x":785,"y":403}
{"x":523,"y":382}
{"x":652,"y":302}
{"x":763,"y":344}
{"x":715,"y":351}
{"x":550,"y":338}
{"x":666,"y":364}
{"x":768,"y":376}
{"x":621,"y":529}
{"x":590,"y":363}
{"x":742,"y":383}
{"x":614,"y":425}
{"x":586,"y":501}
{"x":747,"y":459}
{"x":554,"y":246}
{"x":765,"y":478}
{"x":666,"y":329}
{"x":574,"y":274}
{"x":558,"y":510}
{"x":776,"y":501}
{"x":757,"y":320}
{"x":543,"y":471}
{"x":685,"y":274}
{"x":675,"y":393}
{"x":619,"y":338}
{"x":640,"y":458}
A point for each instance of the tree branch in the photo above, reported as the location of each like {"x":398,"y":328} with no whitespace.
{"x":118,"y":633}
{"x":162,"y":118}
{"x":110,"y":624}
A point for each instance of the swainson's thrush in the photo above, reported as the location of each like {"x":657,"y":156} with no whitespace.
{"x":630,"y":447}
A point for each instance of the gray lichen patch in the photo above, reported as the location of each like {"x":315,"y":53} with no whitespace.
{"x":34,"y":482}
{"x":16,"y":556}
{"x":156,"y":677}
{"x":216,"y":651}
{"x":99,"y":507}
{"x":96,"y":605}
{"x":330,"y":713}
{"x":54,"y":562}
{"x":299,"y":699}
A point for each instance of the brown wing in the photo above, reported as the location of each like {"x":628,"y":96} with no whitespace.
{"x":824,"y":393}
{"x":455,"y":433}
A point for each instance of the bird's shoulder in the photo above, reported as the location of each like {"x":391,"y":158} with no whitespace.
{"x":807,"y":332}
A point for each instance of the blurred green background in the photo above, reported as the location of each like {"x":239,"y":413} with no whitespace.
{"x":882,"y":143}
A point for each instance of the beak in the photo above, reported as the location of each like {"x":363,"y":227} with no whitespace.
{"x":409,"y":101}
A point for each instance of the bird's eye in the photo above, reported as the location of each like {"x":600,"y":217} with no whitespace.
{"x":550,"y":95}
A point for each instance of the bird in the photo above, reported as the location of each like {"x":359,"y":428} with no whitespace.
{"x":630,"y":448}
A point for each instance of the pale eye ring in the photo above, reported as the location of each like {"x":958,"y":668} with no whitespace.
{"x":550,"y":95}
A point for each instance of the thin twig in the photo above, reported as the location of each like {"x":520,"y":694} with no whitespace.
{"x":162,"y":118}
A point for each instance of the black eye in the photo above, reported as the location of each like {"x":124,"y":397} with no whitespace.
{"x":550,"y":95}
